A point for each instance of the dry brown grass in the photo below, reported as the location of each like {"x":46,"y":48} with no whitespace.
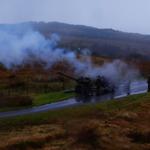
{"x":123,"y":129}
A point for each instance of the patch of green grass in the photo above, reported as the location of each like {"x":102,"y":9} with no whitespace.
{"x":128,"y":103}
{"x":42,"y":99}
{"x":124,"y":103}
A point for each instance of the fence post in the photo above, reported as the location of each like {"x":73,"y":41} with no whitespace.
{"x":128,"y":88}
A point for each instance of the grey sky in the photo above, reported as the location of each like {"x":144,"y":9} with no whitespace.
{"x":125,"y":15}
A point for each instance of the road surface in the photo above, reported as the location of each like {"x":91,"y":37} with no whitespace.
{"x":136,"y":87}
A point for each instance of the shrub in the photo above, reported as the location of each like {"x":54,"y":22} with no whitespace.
{"x":139,"y":137}
{"x":15,"y":101}
{"x":89,"y":135}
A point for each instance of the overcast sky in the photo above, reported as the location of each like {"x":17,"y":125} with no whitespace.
{"x":125,"y":15}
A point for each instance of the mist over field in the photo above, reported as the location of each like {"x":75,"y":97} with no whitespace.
{"x":20,"y":44}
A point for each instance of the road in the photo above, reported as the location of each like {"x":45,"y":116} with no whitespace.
{"x":136,"y":87}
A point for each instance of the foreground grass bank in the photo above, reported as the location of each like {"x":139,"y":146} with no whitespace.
{"x":111,"y":125}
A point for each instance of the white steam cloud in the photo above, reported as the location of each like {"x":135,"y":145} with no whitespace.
{"x":20,"y":43}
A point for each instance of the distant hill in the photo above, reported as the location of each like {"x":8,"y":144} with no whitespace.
{"x":103,"y":42}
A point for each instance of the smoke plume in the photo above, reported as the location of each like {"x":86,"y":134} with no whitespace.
{"x":20,"y":43}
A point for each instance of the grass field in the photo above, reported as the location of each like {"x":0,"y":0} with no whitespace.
{"x":117,"y":124}
{"x":122,"y":124}
{"x":41,"y":99}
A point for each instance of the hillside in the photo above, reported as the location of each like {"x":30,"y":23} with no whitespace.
{"x":104,"y":42}
{"x":101,"y":42}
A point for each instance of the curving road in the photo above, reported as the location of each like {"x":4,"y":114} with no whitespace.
{"x":136,"y":87}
